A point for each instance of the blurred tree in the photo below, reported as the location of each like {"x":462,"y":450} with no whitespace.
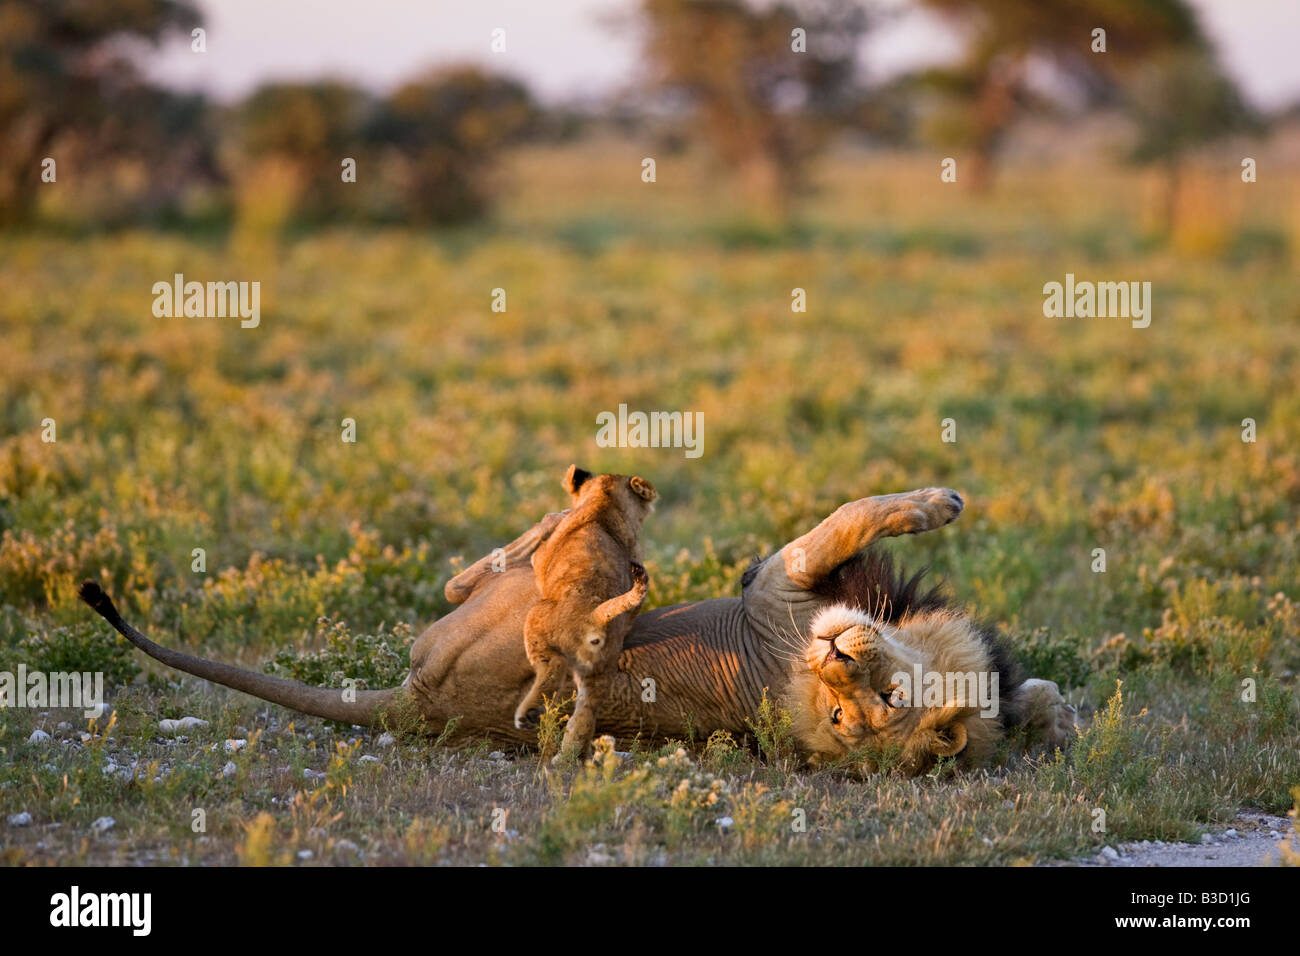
{"x":987,"y":91}
{"x":62,"y":64}
{"x":1181,"y":100}
{"x":447,"y":127}
{"x":163,"y":142}
{"x":764,"y":108}
{"x":303,"y":131}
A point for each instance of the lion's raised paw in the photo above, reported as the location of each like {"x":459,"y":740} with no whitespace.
{"x":927,"y":509}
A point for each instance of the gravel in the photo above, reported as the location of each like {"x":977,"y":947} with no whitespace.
{"x":1253,"y":840}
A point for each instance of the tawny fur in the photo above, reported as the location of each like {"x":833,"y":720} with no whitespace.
{"x":713,"y":661}
{"x":845,"y":702}
{"x":591,"y":581}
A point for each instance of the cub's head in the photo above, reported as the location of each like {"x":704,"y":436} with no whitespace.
{"x":855,"y":694}
{"x":631,"y":494}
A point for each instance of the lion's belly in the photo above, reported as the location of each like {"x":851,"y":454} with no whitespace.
{"x":684,"y":670}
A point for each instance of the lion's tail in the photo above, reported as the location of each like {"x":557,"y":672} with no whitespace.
{"x":318,"y":701}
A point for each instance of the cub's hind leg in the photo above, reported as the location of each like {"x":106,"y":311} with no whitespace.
{"x":547,"y":681}
{"x":549,"y":667}
{"x":597,"y":654}
{"x":630,"y":600}
{"x":581,"y":729}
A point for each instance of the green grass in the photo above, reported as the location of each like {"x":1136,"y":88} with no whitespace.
{"x":176,"y":434}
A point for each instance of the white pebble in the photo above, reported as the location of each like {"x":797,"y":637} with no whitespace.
{"x":229,"y":770}
{"x":64,"y":725}
{"x":38,"y":737}
{"x":233,"y":745}
{"x":102,"y":824}
{"x":20,"y":819}
{"x":386,"y":739}
{"x":1230,"y":833}
{"x":305,"y":854}
{"x":724,"y":823}
{"x":367,"y":758}
{"x":1110,"y":853}
{"x":182,"y":724}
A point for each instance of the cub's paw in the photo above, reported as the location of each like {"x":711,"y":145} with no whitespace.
{"x":571,"y":758}
{"x":528,"y":718}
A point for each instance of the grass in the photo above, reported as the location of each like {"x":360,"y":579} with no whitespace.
{"x":324,"y":558}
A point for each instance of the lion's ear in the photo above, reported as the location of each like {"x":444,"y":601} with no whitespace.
{"x":643,"y":488}
{"x":951,"y":742}
{"x":574,"y":479}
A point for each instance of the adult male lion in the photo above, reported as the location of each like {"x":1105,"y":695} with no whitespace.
{"x":705,"y":666}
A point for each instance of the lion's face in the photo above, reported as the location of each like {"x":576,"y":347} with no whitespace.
{"x":847,"y":700}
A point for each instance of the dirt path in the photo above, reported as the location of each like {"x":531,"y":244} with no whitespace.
{"x":1250,"y":840}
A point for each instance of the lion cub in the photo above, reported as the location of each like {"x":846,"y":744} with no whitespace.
{"x":589,"y":575}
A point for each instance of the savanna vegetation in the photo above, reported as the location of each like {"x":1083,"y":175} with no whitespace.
{"x":924,"y":303}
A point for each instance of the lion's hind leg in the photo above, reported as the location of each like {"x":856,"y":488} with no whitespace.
{"x":516,"y":553}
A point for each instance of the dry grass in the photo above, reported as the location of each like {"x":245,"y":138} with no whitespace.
{"x":924,"y":304}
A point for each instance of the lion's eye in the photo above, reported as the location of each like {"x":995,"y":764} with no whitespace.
{"x":837,"y":714}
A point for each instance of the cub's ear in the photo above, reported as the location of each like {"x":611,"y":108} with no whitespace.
{"x":574,"y":479}
{"x":643,"y":488}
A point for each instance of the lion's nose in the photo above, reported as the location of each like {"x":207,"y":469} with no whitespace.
{"x":834,"y":653}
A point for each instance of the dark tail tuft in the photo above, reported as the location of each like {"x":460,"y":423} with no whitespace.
{"x":94,"y":595}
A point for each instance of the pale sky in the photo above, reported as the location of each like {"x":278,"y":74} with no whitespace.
{"x":567,"y":49}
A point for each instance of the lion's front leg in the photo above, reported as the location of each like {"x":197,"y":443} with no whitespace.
{"x":1038,"y":706}
{"x":854,"y":526}
{"x":517,"y":552}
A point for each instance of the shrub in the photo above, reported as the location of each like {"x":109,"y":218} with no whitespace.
{"x":81,"y":647}
{"x":372,"y":660}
